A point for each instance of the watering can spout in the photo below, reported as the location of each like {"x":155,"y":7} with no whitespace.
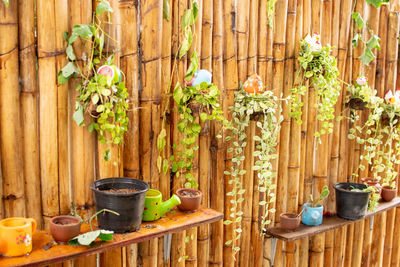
{"x":169,"y":204}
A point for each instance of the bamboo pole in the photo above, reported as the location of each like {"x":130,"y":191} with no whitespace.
{"x":10,"y":120}
{"x":151,"y":34}
{"x":243,"y":12}
{"x":203,"y":238}
{"x":47,"y":50}
{"x":230,"y":85}
{"x":179,"y":7}
{"x":252,"y":45}
{"x":129,"y":59}
{"x":27,"y":57}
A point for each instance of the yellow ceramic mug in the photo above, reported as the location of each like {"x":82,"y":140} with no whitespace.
{"x":16,"y":236}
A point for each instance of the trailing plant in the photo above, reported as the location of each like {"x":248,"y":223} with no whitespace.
{"x":263,"y":107}
{"x":322,"y":196}
{"x":373,"y":42}
{"x":360,"y":93}
{"x":88,"y":239}
{"x":319,"y":68}
{"x":102,"y":94}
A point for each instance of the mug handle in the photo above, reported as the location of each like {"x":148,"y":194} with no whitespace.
{"x":34,"y":225}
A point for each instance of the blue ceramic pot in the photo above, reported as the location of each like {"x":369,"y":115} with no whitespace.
{"x":312,"y":215}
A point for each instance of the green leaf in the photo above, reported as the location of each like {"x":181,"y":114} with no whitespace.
{"x":187,"y":19}
{"x":367,"y":56}
{"x":78,"y":114}
{"x":358,"y":19}
{"x":106,"y":235}
{"x":195,"y":10}
{"x":82,"y":30}
{"x":103,"y":6}
{"x":69,"y":69}
{"x":65,"y":36}
{"x":107,"y":155}
{"x":187,"y":42}
{"x":178,"y":93}
{"x":6,"y":2}
{"x":70,"y":52}
{"x":373,"y":42}
{"x":354,"y":41}
{"x":87,"y":238}
{"x":194,"y":64}
{"x":61,"y":79}
{"x":377,"y":3}
{"x":166,"y":9}
{"x":95,"y":99}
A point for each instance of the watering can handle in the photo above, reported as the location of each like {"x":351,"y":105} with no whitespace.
{"x":33,"y":223}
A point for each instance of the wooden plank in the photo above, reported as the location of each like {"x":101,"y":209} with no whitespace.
{"x":172,"y":222}
{"x":328,"y":223}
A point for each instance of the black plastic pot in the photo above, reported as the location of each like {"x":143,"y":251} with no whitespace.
{"x":128,"y":205}
{"x":351,"y":205}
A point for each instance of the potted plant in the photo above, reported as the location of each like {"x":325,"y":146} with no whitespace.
{"x":352,"y":200}
{"x":124,"y":196}
{"x":360,"y":94}
{"x":253,"y":103}
{"x":319,"y":68}
{"x":190,"y":199}
{"x":313,"y":211}
{"x":289,"y":221}
{"x":65,"y":227}
{"x":102,"y":93}
{"x":389,"y":191}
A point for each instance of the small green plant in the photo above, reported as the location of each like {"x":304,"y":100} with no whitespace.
{"x":319,"y":68}
{"x":88,"y":239}
{"x":373,"y":42}
{"x":322,"y":196}
{"x":102,"y":94}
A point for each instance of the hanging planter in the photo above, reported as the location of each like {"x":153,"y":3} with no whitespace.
{"x":124,"y":196}
{"x":351,"y":200}
{"x":360,"y":94}
{"x":320,"y":69}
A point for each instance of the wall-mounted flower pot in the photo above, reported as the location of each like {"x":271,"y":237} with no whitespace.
{"x":64,"y":228}
{"x":124,"y":196}
{"x":312,"y":215}
{"x":351,"y":205}
{"x":388,"y":193}
{"x":190,"y":199}
{"x":357,"y":104}
{"x":289,"y":221}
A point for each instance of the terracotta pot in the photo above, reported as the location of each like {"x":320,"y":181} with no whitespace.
{"x":64,"y":228}
{"x":372,"y":182}
{"x":290,"y":221}
{"x":190,"y":199}
{"x":388,"y":193}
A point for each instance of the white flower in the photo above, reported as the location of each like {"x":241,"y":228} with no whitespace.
{"x":27,"y":240}
{"x":313,"y":42}
{"x":393,"y":98}
{"x":361,"y":81}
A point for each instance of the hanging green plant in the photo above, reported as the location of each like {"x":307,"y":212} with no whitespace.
{"x":102,"y":93}
{"x":251,"y":103}
{"x":373,"y":42}
{"x":360,"y":94}
{"x":319,"y":68}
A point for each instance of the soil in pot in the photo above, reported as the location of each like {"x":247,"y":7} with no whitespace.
{"x":289,"y":221}
{"x":124,"y":196}
{"x":190,"y":199}
{"x":357,"y":104}
{"x":64,"y":228}
{"x":388,"y":193}
{"x":351,"y":205}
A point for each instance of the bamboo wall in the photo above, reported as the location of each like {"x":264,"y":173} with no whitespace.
{"x":47,"y":162}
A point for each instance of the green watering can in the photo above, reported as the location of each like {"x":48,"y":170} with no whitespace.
{"x":154,"y":208}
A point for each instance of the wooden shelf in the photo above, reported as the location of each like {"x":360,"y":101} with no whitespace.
{"x":328,"y":223}
{"x":172,"y":222}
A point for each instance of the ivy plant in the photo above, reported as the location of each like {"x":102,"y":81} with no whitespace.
{"x":102,"y":94}
{"x":262,"y":107}
{"x":319,"y":68}
{"x":373,"y":42}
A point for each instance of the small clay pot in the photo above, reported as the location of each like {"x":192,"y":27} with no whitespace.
{"x":372,"y":182}
{"x":290,"y":221}
{"x":357,"y":104}
{"x":190,"y":199}
{"x":388,"y":193}
{"x":64,"y":228}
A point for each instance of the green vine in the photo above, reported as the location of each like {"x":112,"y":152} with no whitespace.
{"x":319,"y":68}
{"x":264,"y":108}
{"x":102,"y":94}
{"x":373,"y":42}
